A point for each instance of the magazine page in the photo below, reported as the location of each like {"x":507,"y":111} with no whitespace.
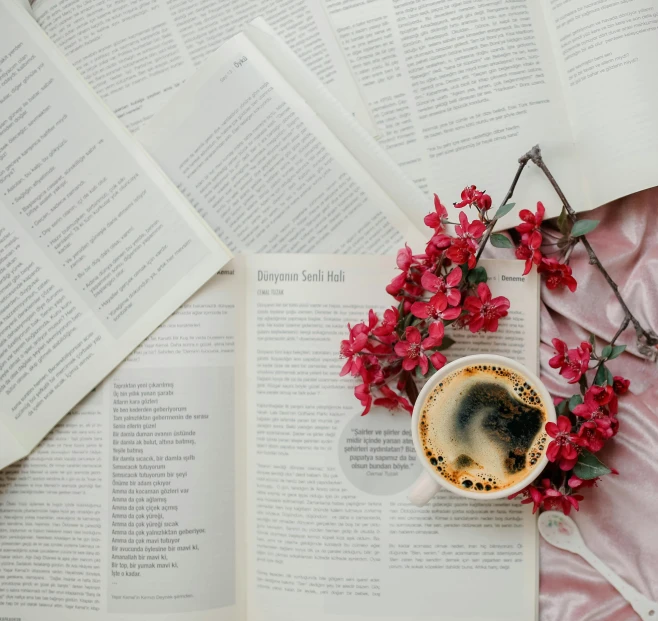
{"x":97,"y":246}
{"x":136,"y":55}
{"x":330,"y":531}
{"x":606,"y":54}
{"x":459,"y":91}
{"x":266,"y":171}
{"x":131,"y":508}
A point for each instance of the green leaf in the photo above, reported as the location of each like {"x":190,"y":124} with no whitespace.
{"x":501,"y":241}
{"x":561,"y":408}
{"x":447,"y":342}
{"x":607,"y":350}
{"x":575,"y":401}
{"x":564,"y":222}
{"x":601,"y":376}
{"x":477,"y":275}
{"x":503,"y":210}
{"x":616,"y":351}
{"x":582,"y":382}
{"x":609,"y":377}
{"x":589,"y":466}
{"x":582,"y":227}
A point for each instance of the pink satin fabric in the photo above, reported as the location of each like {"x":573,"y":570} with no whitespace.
{"x":619,"y":518}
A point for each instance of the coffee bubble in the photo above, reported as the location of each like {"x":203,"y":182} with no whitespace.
{"x":482,"y":428}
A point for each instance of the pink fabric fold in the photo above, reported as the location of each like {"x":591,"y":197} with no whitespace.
{"x":619,"y":518}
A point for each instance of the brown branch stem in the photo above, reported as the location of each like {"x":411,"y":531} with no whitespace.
{"x":647,"y":339}
{"x":522,"y":164}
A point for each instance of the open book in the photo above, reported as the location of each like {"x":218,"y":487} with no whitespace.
{"x":97,"y":246}
{"x":460,"y":90}
{"x":224,"y":472}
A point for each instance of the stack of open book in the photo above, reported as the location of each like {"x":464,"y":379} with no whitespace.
{"x":207,"y":468}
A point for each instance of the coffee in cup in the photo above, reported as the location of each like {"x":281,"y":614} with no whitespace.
{"x":481,"y":428}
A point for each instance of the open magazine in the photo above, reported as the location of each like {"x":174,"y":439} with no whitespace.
{"x":269,"y":167}
{"x":224,"y":472}
{"x":460,"y":90}
{"x":135,"y":55}
{"x":97,"y":246}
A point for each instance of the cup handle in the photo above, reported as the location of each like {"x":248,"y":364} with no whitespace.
{"x":423,"y":490}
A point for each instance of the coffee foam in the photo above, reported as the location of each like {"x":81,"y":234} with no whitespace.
{"x":482,"y":428}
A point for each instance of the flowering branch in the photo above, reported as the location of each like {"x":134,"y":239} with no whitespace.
{"x":522,"y":164}
{"x":647,"y":339}
{"x":588,"y":419}
{"x":445,"y":285}
{"x":442,"y":286}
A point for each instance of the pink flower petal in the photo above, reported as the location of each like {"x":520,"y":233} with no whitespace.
{"x":564,"y":424}
{"x":420,"y":310}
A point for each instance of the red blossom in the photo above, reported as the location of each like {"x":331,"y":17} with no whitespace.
{"x":363,"y":394}
{"x":396,"y":284}
{"x":557,"y":274}
{"x":386,"y":330}
{"x":546,"y":495}
{"x":571,"y":362}
{"x":531,"y":224}
{"x":620,"y":385}
{"x":530,"y":256}
{"x":575,"y":482}
{"x":484,"y":202}
{"x":591,"y":437}
{"x":484,"y":312}
{"x":414,"y":349}
{"x":351,"y":349}
{"x":531,"y":237}
{"x":448,"y":285}
{"x":601,"y":394}
{"x":404,"y":258}
{"x":470,"y":195}
{"x":464,"y":246}
{"x":563,"y":448}
{"x":602,"y":415}
{"x":531,"y":494}
{"x":393,"y":400}
{"x":435,"y":308}
{"x":556,"y":500}
{"x":436,"y":220}
{"x":404,"y":261}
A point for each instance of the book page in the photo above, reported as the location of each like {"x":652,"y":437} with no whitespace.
{"x":264,"y":169}
{"x":606,"y":52}
{"x":136,"y":55}
{"x":129,"y":509}
{"x":459,"y":91}
{"x":330,"y":531}
{"x":97,"y":247}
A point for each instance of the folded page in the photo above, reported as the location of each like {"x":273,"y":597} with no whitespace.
{"x":97,"y":247}
{"x":606,"y":54}
{"x":266,"y":170}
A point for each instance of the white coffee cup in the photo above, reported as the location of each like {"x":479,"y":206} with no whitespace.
{"x":430,"y":482}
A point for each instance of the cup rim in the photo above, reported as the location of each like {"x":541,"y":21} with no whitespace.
{"x":449,"y":368}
